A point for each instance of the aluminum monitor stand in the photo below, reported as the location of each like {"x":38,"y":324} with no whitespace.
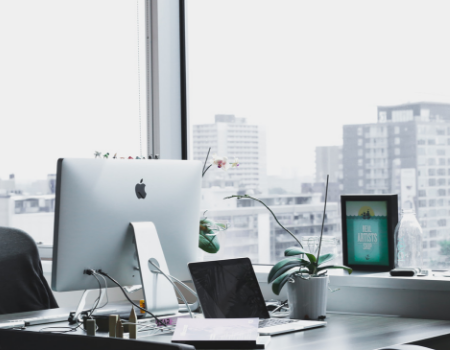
{"x":159,"y":295}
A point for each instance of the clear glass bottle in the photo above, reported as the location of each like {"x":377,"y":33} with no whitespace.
{"x":408,"y":241}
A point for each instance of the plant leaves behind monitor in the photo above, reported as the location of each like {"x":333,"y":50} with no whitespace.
{"x":209,"y":244}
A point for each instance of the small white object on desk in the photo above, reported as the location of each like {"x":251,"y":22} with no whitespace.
{"x":132,"y":327}
{"x":112,"y":325}
{"x":219,"y":333}
{"x":91,"y":327}
{"x":119,"y":329}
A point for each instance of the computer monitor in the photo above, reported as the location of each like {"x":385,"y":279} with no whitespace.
{"x":96,"y":199}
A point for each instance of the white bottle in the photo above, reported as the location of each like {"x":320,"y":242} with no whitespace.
{"x":408,"y":241}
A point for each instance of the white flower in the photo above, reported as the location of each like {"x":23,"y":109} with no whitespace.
{"x":235,"y":163}
{"x":221,"y":162}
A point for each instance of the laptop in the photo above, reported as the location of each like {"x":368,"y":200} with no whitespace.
{"x":229,"y":289}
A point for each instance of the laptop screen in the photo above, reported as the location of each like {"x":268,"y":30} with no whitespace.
{"x":228,"y":289}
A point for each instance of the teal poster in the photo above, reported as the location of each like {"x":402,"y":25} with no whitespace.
{"x":367,"y":233}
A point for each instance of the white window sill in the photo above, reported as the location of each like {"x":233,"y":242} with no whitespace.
{"x":434,"y":282}
{"x":379,"y":294}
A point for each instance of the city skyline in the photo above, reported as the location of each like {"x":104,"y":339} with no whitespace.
{"x":405,"y":151}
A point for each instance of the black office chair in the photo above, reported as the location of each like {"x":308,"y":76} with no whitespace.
{"x":23,"y":285}
{"x":23,"y":340}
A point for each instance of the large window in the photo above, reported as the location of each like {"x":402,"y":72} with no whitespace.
{"x":297,"y":90}
{"x":72,"y":83}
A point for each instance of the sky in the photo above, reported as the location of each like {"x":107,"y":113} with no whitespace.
{"x":69,"y":82}
{"x":305,"y":68}
{"x":302,"y":69}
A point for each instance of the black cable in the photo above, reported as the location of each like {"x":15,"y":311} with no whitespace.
{"x":158,"y":321}
{"x":73,"y":329}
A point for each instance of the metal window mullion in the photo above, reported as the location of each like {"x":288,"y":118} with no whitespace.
{"x":152,"y":79}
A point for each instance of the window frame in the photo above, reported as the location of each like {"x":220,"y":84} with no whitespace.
{"x":385,"y":283}
{"x":167,"y":116}
{"x":165,"y":127}
{"x":167,"y":112}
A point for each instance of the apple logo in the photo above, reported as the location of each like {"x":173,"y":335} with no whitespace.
{"x":140,"y":190}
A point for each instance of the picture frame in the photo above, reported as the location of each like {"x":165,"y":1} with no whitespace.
{"x":368,"y":225}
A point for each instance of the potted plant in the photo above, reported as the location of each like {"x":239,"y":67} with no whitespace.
{"x":209,"y":229}
{"x":307,"y":272}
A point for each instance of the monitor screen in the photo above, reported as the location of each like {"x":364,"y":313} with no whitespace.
{"x":96,"y":199}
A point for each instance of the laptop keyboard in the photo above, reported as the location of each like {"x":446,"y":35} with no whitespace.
{"x":270,"y":322}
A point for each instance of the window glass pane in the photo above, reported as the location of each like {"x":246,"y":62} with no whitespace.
{"x":297,"y":90}
{"x":71,"y":84}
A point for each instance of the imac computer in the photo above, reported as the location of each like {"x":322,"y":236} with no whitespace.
{"x":116,"y":215}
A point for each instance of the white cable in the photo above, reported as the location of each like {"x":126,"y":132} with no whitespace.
{"x":185,"y":286}
{"x":195,"y":305}
{"x":174,"y":285}
{"x":106,"y":289}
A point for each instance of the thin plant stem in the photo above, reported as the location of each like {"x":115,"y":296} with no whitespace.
{"x":321,"y":231}
{"x":204,"y":172}
{"x":260,"y":201}
{"x":207,"y":156}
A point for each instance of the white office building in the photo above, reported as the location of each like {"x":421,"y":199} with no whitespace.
{"x":234,"y":138}
{"x":254,"y":233}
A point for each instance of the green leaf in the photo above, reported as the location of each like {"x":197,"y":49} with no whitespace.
{"x":284,"y":265}
{"x":205,"y":226}
{"x":297,"y":250}
{"x":294,"y":251}
{"x":209,"y":244}
{"x":282,"y":279}
{"x":346,"y":268}
{"x":311,"y":257}
{"x":324,"y":258}
{"x":222,"y":226}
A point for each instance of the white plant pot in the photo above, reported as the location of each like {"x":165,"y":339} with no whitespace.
{"x":307,"y":298}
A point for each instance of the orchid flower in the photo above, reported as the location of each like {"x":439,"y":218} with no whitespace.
{"x":221,"y":162}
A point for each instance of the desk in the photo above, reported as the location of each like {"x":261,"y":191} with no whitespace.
{"x":344,"y":332}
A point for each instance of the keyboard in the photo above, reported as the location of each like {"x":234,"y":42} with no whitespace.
{"x":269,"y":322}
{"x":272,"y":326}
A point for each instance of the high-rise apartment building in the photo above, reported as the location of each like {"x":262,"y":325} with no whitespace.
{"x":329,"y":162}
{"x":406,"y":152}
{"x":233,"y":137}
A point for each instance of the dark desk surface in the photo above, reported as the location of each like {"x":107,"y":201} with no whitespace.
{"x":346,"y":332}
{"x":362,"y":333}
